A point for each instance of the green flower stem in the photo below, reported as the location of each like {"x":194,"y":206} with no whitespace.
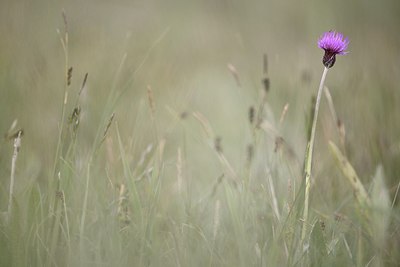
{"x":309,"y":155}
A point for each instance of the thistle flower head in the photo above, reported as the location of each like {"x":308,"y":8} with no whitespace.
{"x":334,"y":44}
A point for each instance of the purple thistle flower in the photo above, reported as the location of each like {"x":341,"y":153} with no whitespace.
{"x":334,"y":44}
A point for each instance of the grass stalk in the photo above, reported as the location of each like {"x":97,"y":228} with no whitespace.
{"x":64,"y":43}
{"x":17,"y":145}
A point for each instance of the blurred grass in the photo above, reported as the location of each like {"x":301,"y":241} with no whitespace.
{"x":148,"y":206}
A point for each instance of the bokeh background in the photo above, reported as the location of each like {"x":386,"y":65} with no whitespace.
{"x":183,"y":50}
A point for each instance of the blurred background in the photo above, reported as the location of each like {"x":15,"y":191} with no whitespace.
{"x":182,"y":50}
{"x":206,"y":57}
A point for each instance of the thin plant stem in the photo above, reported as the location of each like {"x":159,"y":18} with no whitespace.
{"x":64,"y":43}
{"x":309,"y":155}
{"x":17,"y":145}
{"x":85,"y":200}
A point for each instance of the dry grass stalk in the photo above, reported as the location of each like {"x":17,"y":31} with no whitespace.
{"x":179,"y":169}
{"x":283,"y":114}
{"x":274,"y":199}
{"x":216,"y":218}
{"x":69,"y":76}
{"x":252,"y":114}
{"x":216,"y":184}
{"x":265,"y":80}
{"x":265,"y":64}
{"x":204,"y":123}
{"x":17,"y":145}
{"x":161,"y":147}
{"x":110,"y":120}
{"x":339,"y":124}
{"x":83,"y":84}
{"x":8,"y":135}
{"x":235,"y":74}
{"x":328,"y":97}
{"x":269,"y":128}
{"x":121,"y":198}
{"x":150,"y":97}
{"x":228,"y":167}
{"x":250,"y":153}
{"x":348,"y":171}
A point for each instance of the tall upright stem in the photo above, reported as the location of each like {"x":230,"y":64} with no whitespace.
{"x":309,"y":155}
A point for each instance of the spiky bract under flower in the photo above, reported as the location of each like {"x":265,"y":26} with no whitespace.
{"x":334,"y":44}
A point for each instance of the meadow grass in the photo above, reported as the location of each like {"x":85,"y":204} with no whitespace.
{"x":159,"y":155}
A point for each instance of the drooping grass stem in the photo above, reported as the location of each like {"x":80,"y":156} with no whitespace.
{"x":309,"y":155}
